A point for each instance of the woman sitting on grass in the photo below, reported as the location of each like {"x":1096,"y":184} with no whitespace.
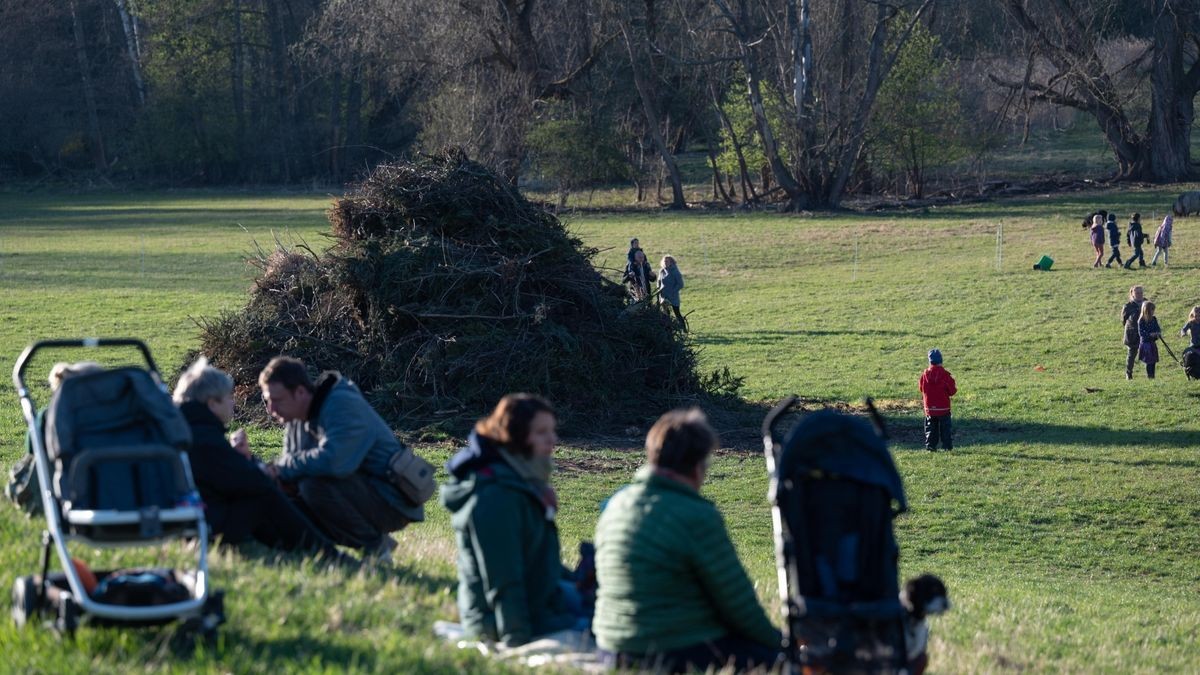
{"x":511,"y":585}
{"x":241,"y":502}
{"x":1149,"y":332}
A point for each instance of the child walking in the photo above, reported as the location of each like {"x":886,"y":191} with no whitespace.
{"x":1162,"y":241}
{"x":937,"y":386}
{"x":1192,"y":326}
{"x":1129,"y":321}
{"x":1097,"y":234}
{"x":1136,"y":237}
{"x":1114,"y":240}
{"x":1149,"y":332}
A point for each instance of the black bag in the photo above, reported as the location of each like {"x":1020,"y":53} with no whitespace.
{"x":1191,"y":363}
{"x":23,"y":487}
{"x":140,"y":588}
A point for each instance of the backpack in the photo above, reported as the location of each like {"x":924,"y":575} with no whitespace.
{"x":1191,"y":363}
{"x":23,"y":487}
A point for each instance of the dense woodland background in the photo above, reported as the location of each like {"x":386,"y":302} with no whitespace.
{"x":805,"y":103}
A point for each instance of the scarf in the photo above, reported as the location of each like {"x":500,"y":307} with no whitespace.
{"x":536,"y":471}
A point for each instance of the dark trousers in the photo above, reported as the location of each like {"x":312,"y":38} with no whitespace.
{"x":716,"y":654}
{"x":1116,"y":255}
{"x":271,"y":519}
{"x":678,"y":315}
{"x":349,"y":510}
{"x":1150,"y":370}
{"x":1130,"y":358}
{"x":938,"y":428}
{"x":1137,"y":255}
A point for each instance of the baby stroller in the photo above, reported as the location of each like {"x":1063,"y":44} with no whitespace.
{"x":834,"y":491}
{"x":113,"y":472}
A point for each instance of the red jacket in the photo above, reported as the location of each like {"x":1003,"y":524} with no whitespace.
{"x":937,"y":386}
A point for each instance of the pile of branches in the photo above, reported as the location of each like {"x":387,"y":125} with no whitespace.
{"x":443,"y":290}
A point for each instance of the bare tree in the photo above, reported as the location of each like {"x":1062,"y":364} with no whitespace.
{"x":1067,"y":35}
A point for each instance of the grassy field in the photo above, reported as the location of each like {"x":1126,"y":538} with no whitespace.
{"x":1066,"y":523}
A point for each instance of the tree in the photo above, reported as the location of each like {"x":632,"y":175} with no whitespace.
{"x":830,"y":107}
{"x":1069,"y":37}
{"x":919,"y":122}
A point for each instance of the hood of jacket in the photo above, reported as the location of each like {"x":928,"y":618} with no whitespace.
{"x":205,"y":425}
{"x":476,"y":467}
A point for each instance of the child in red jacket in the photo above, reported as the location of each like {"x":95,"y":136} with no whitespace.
{"x":937,"y":386}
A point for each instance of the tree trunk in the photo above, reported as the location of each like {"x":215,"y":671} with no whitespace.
{"x":133,"y":49}
{"x":237,"y":84}
{"x":89,"y":95}
{"x":643,"y":80}
{"x":1168,"y":142}
{"x":279,"y":74}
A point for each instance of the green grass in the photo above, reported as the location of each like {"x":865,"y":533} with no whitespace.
{"x":1066,"y":523}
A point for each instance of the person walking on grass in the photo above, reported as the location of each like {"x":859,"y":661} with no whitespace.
{"x":1114,"y":240}
{"x":670,"y":282}
{"x":1149,"y":332}
{"x":1162,"y":241}
{"x":1193,"y":327}
{"x":1097,"y":235}
{"x":1129,"y":321}
{"x":1136,"y":238}
{"x":937,"y":386}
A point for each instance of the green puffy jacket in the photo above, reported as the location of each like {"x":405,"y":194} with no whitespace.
{"x":669,"y":576}
{"x":509,"y":560}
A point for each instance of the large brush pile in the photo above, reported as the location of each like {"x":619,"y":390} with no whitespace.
{"x":445,"y":289}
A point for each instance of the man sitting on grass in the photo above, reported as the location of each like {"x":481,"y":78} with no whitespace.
{"x":672,"y":592}
{"x":336,"y":452}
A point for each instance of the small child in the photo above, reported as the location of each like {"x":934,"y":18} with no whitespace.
{"x":1149,"y":332}
{"x":1162,"y":241}
{"x":1136,"y":238}
{"x":1129,"y":321}
{"x":1097,"y":235}
{"x":1114,"y":240}
{"x":937,"y":386}
{"x":634,"y":247}
{"x":1192,"y":326}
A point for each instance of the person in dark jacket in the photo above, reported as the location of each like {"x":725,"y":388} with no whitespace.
{"x":1114,"y":240}
{"x":1136,"y":237}
{"x":670,"y":282}
{"x":634,"y":247}
{"x":1129,"y":320}
{"x":336,"y":454}
{"x":241,"y":502}
{"x":937,"y":386}
{"x":1192,"y":327}
{"x":1149,"y":332}
{"x":512,"y":586}
{"x":672,"y":593}
{"x":638,"y":276}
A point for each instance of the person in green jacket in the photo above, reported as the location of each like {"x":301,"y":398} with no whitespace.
{"x":672,"y":592}
{"x":512,"y":586}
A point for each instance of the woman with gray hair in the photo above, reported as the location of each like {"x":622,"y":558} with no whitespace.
{"x":241,"y":501}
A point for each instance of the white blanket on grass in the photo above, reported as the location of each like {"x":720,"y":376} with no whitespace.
{"x":566,"y":648}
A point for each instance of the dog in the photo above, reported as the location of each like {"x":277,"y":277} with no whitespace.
{"x":922,"y":597}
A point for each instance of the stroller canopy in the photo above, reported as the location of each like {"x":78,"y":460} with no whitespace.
{"x":841,"y":445}
{"x":123,"y":406}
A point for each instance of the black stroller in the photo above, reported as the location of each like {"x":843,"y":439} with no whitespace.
{"x":113,"y":471}
{"x":834,"y":491}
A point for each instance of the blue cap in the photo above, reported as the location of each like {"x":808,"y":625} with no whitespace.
{"x":935,"y":356}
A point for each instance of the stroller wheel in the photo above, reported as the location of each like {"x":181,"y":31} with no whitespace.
{"x":24,"y":600}
{"x":68,"y":617}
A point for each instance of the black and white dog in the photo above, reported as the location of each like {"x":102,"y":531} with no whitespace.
{"x":922,"y":596}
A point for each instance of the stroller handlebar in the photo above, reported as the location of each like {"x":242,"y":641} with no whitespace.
{"x":88,"y":343}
